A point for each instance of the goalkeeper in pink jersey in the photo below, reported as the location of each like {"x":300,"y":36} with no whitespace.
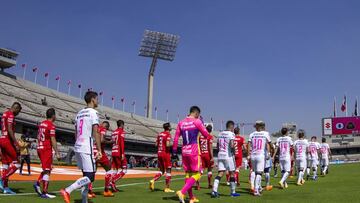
{"x":189,"y":129}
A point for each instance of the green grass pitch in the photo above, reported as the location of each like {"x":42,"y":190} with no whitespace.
{"x":342,"y":184}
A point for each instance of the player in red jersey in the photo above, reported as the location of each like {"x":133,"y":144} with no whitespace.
{"x":104,"y":161}
{"x":118,"y":155}
{"x":239,"y":144}
{"x":9,"y":146}
{"x":46,"y":142}
{"x":207,"y":158}
{"x":292,"y":163}
{"x":164,"y":158}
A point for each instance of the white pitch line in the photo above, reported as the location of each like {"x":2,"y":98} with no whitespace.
{"x":97,"y":188}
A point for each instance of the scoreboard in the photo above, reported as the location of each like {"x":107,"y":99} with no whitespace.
{"x":341,"y":126}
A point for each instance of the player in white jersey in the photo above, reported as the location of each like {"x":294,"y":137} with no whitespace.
{"x":86,"y":129}
{"x":325,"y":155}
{"x":284,"y":145}
{"x":313,"y":158}
{"x":301,"y":150}
{"x":226,"y":159}
{"x":258,"y":150}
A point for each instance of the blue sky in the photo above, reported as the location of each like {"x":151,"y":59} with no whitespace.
{"x":278,"y":60}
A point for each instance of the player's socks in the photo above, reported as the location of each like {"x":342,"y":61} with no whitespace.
{"x":168,"y":180}
{"x":158,"y":176}
{"x":257,"y":182}
{"x":237,"y":177}
{"x":45,"y":183}
{"x":324,"y":170}
{"x":40,"y":178}
{"x":232,"y":185}
{"x":285,"y":176}
{"x":267,"y":179}
{"x":90,"y":187}
{"x":227,"y":178}
{"x":78,"y":184}
{"x":216,"y":183}
{"x":107,"y":180}
{"x":84,"y":193}
{"x":252,"y":179}
{"x":12,"y":169}
{"x":301,"y":175}
{"x":209,"y":176}
{"x":189,"y":183}
{"x":307,"y":171}
{"x":275,"y":171}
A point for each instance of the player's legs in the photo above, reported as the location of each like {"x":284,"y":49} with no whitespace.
{"x":105,"y":163}
{"x":238,"y":163}
{"x":326,"y":165}
{"x":267,"y":178}
{"x":192,"y":166}
{"x":309,"y":164}
{"x":314,"y":168}
{"x":285,"y":170}
{"x":258,"y":164}
{"x":301,"y":165}
{"x":11,"y":165}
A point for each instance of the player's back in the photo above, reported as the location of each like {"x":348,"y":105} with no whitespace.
{"x":238,"y":144}
{"x":324,"y":149}
{"x":313,"y":149}
{"x":258,"y":140}
{"x":284,"y":143}
{"x":301,"y":148}
{"x":205,"y":143}
{"x":46,"y":130}
{"x":224,"y":143}
{"x":117,"y":138}
{"x":6,"y":119}
{"x":161,"y":140}
{"x":85,"y":120}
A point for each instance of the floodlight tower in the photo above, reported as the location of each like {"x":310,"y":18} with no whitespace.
{"x":157,"y":45}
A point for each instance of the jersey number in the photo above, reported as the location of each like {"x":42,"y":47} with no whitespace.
{"x":257,"y":145}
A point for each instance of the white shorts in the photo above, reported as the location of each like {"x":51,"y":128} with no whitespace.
{"x":226,"y":164}
{"x":313,"y":163}
{"x":325,"y":162}
{"x":301,"y":164}
{"x":258,"y":163}
{"x":285,"y":165}
{"x":85,"y":162}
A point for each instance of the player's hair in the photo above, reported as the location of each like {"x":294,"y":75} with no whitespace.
{"x":313,"y":138}
{"x":284,"y":131}
{"x":209,"y":128}
{"x":195,"y":109}
{"x":50,"y":113}
{"x":16,"y":104}
{"x":120,"y":123}
{"x":107,"y":123}
{"x":166,"y":126}
{"x":228,"y":123}
{"x":90,"y":95}
{"x":237,"y":130}
{"x":301,"y":133}
{"x":323,"y":139}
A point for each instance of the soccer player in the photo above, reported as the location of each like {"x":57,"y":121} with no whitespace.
{"x":314,"y":148}
{"x":9,"y":146}
{"x":86,"y":129}
{"x":258,"y":150}
{"x":118,"y":154}
{"x":104,"y":161}
{"x":325,"y":154}
{"x":189,"y":129}
{"x":239,"y":145}
{"x":301,"y":150}
{"x":226,"y":162}
{"x":164,"y":158}
{"x":284,"y":145}
{"x":207,"y":160}
{"x":46,"y":143}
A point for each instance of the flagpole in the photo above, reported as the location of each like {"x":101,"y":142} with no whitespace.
{"x":102,"y":100}
{"x":335,"y":109}
{"x":346,"y":101}
{"x":24,"y":73}
{"x":178,"y":118}
{"x":69,"y":86}
{"x":145,"y":111}
{"x":35,"y":76}
{"x":167,"y":116}
{"x":80,"y":92}
{"x":123,"y":106}
{"x":47,"y":81}
{"x":58,"y":84}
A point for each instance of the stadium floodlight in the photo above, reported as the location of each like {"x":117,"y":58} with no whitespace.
{"x":157,"y":45}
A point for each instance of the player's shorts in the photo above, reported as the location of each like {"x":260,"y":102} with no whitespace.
{"x":313,"y":163}
{"x":226,"y":164}
{"x":104,"y":160}
{"x":118,"y":163}
{"x":238,"y":161}
{"x":8,"y":151}
{"x":285,"y":165}
{"x":258,"y":163}
{"x":85,"y":162}
{"x":206,"y":161}
{"x":46,"y":159}
{"x":191,"y":163}
{"x":301,"y":164}
{"x":164,"y":161}
{"x":324,"y":162}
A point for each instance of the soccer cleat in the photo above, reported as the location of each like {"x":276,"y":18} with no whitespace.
{"x":268,"y":187}
{"x":299,"y":183}
{"x":275,"y":176}
{"x":65,"y":195}
{"x":215,"y":194}
{"x":291,"y":177}
{"x":228,"y":183}
{"x":152,"y":185}
{"x":281,"y":185}
{"x":113,"y":187}
{"x":194,"y":200}
{"x":315,"y":178}
{"x":302,"y":181}
{"x":168,"y":190}
{"x":252,"y":190}
{"x":37,"y":188}
{"x":210,"y":187}
{"x":235,"y":194}
{"x":108,"y":194}
{"x":47,"y":196}
{"x":1,"y":185}
{"x":257,"y":193}
{"x":181,"y":196}
{"x":286,"y":185}
{"x":9,"y":191}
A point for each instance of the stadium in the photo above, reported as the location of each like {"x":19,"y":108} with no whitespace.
{"x":141,"y":133}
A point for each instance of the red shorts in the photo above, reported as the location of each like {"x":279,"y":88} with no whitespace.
{"x":117,"y":163}
{"x":164,"y":161}
{"x":46,"y":159}
{"x":206,"y":161}
{"x":104,"y":161}
{"x":238,"y":161}
{"x":9,"y":154}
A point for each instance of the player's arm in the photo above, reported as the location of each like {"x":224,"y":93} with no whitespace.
{"x":176,"y":139}
{"x":275,"y":151}
{"x":232,"y":146}
{"x":268,"y":150}
{"x":54,"y":143}
{"x":248,"y":149}
{"x":210,"y":147}
{"x":122,"y":147}
{"x":11,"y":134}
{"x":97,"y":137}
{"x":202,"y":128}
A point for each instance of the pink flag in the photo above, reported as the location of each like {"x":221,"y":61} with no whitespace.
{"x":57,"y":78}
{"x":79,"y":86}
{"x":69,"y":82}
{"x":23,"y":65}
{"x":134,"y":102}
{"x":343,"y":105}
{"x":46,"y":74}
{"x":112,"y":98}
{"x":101,"y":93}
{"x":34,"y":69}
{"x":122,"y":100}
